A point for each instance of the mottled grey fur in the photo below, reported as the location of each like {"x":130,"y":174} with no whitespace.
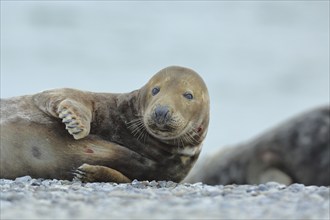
{"x":297,"y":151}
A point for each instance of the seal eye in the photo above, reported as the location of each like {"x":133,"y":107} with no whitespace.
{"x":188,"y":95}
{"x":155,"y":91}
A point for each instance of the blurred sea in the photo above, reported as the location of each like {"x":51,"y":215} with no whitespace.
{"x":263,"y":61}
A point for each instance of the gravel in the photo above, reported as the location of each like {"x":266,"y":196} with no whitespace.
{"x":28,"y":198}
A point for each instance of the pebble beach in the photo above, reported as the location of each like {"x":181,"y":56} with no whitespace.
{"x":28,"y":198}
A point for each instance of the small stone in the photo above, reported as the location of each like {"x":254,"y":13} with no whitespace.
{"x":75,"y":186}
{"x":281,"y":186}
{"x":153,"y":183}
{"x":296,"y":187}
{"x":35,"y":182}
{"x":23,"y":179}
{"x":46,"y":182}
{"x":262,"y":187}
{"x":11,"y":197}
{"x":67,"y":182}
{"x":198,"y":184}
{"x":272,"y":184}
{"x":171,"y":184}
{"x":135,"y":181}
{"x":254,"y":193}
{"x":137,"y":184}
{"x":5,"y":182}
{"x":324,"y":192}
{"x":251,"y":189}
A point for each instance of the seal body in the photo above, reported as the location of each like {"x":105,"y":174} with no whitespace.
{"x":154,"y":133}
{"x":295,"y":151}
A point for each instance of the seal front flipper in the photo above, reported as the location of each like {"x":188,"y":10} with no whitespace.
{"x":74,"y":107}
{"x":76,"y":117}
{"x":94,"y":173}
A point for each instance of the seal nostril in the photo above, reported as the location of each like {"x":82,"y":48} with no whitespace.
{"x":161,"y":114}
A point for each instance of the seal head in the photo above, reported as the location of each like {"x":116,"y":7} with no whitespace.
{"x":175,"y":106}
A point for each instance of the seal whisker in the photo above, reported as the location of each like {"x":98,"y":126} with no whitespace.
{"x":140,"y":136}
{"x":145,"y":136}
{"x":174,"y":142}
{"x":192,"y":137}
{"x":181,"y":139}
{"x":134,"y":123}
{"x":187,"y":138}
{"x":178,"y":142}
{"x":138,"y":129}
{"x":137,"y":132}
{"x":134,"y":120}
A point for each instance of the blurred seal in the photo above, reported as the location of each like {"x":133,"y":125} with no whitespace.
{"x":154,"y":133}
{"x":295,"y":151}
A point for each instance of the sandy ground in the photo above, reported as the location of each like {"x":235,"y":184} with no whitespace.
{"x":27,"y":198}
